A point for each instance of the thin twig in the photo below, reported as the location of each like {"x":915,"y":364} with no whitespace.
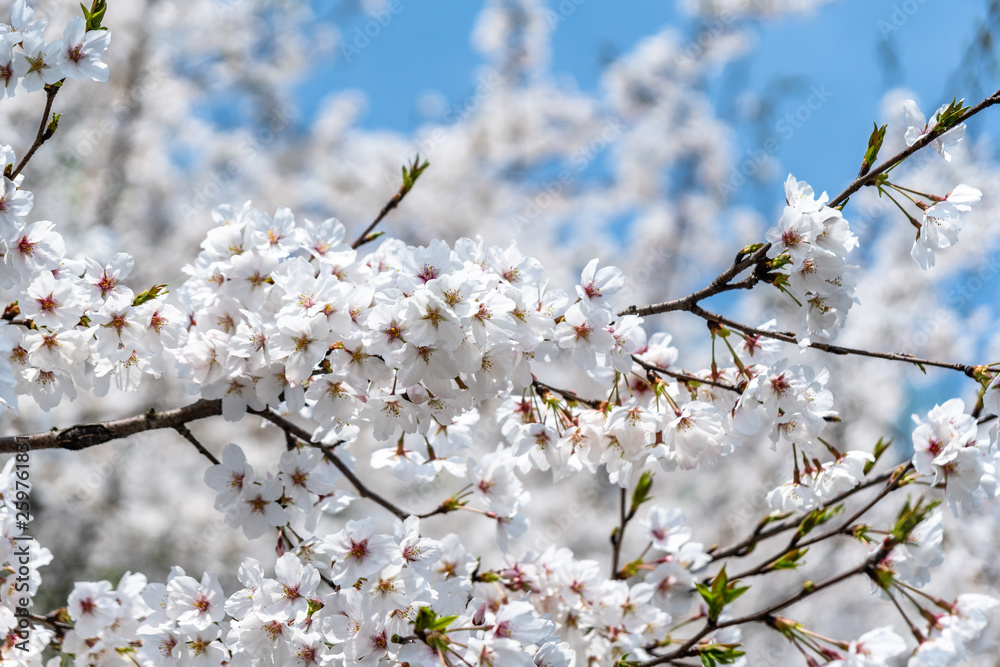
{"x":764,"y":531}
{"x":291,"y":428}
{"x":568,"y":394}
{"x":790,"y":337}
{"x":685,"y":649}
{"x":722,"y":282}
{"x":867,"y":178}
{"x":717,"y":286}
{"x":184,"y":431}
{"x":43,"y":134}
{"x":683,"y":377}
{"x":410,"y":176}
{"x":895,"y":477}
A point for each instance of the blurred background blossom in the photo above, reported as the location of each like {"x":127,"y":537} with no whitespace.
{"x":654,"y":135}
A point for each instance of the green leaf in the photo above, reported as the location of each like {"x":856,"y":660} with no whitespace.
{"x":880,"y":447}
{"x":641,"y":493}
{"x":911,"y":517}
{"x":428,"y":621}
{"x":951,"y":115}
{"x":150,"y":294}
{"x":790,"y":560}
{"x":719,"y":593}
{"x":817,"y":517}
{"x":874,"y":146}
{"x":411,"y":174}
{"x":95,"y":16}
{"x":720,"y":654}
{"x":629,"y":570}
{"x":53,"y":125}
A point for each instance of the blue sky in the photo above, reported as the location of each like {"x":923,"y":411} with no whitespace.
{"x":854,"y":51}
{"x":850,"y":51}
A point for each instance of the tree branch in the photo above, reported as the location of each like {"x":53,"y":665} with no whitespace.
{"x":683,"y":377}
{"x":44,"y":133}
{"x":717,"y":286}
{"x":288,"y":427}
{"x":83,"y":436}
{"x":896,"y":475}
{"x":183,"y":430}
{"x":807,"y":590}
{"x":790,"y":337}
{"x":746,"y":545}
{"x":866,"y":179}
{"x":410,"y":176}
{"x":565,"y":393}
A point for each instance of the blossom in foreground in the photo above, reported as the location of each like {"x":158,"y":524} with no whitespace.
{"x":80,"y":51}
{"x":919,"y":127}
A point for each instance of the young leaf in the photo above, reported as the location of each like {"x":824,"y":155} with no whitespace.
{"x":874,"y":146}
{"x":150,"y":294}
{"x":720,"y":654}
{"x":790,"y":560}
{"x":817,"y":517}
{"x":641,"y":493}
{"x":877,"y":452}
{"x":719,"y":593}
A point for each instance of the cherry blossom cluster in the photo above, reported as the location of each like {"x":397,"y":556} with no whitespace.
{"x":280,"y":317}
{"x":809,"y":248}
{"x":386,"y":588}
{"x":941,"y":215}
{"x":946,"y":448}
{"x":402,"y":339}
{"x":27,"y":59}
{"x":87,"y":328}
{"x":407,"y":342}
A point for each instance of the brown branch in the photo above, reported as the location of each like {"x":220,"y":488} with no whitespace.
{"x":722,"y":282}
{"x":683,"y":377}
{"x":895,"y":477}
{"x":761,"y":533}
{"x":568,"y":394}
{"x":790,"y":337}
{"x":763,"y":615}
{"x":293,"y":429}
{"x":44,"y":133}
{"x":868,"y":178}
{"x":717,"y":286}
{"x":83,"y":436}
{"x":410,"y":176}
{"x":618,"y":536}
{"x":184,"y":431}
